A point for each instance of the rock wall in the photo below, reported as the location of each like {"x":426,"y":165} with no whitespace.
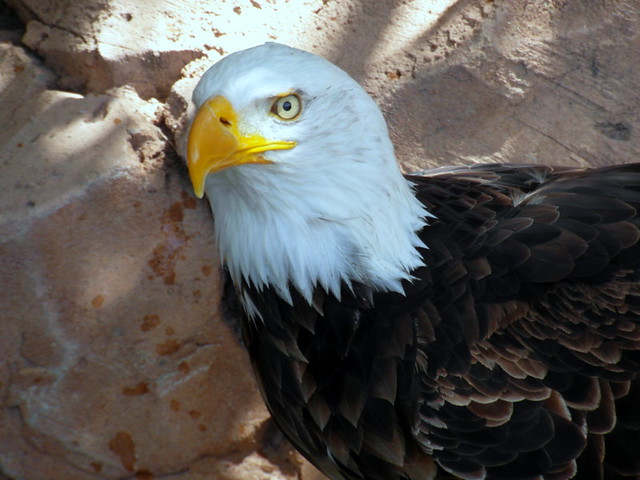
{"x":119,"y":358}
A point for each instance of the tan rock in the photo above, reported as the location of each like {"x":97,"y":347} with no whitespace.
{"x":538,"y":82}
{"x":117,"y":360}
{"x":97,"y":45}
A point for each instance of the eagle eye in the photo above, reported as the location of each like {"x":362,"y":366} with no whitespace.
{"x":287,"y":107}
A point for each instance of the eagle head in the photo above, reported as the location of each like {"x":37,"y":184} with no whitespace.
{"x":297,"y":164}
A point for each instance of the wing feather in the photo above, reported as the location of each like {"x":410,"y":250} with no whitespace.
{"x":561,"y":245}
{"x":513,"y":353}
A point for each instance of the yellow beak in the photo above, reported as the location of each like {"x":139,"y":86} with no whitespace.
{"x":215,"y":143}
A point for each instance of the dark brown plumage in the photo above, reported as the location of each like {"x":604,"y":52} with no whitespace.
{"x":514,"y":353}
{"x":484,"y":324}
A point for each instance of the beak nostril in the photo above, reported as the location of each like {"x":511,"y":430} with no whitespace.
{"x":225,"y":122}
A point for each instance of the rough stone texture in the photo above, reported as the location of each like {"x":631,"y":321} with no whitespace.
{"x":118,"y":359}
{"x":539,"y":82}
{"x":115,"y":357}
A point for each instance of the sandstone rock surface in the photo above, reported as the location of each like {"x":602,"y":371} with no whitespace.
{"x":119,"y":358}
{"x":116,"y":360}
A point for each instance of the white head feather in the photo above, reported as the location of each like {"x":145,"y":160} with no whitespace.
{"x":333,"y":209}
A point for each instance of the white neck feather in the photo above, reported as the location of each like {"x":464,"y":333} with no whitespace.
{"x":333,"y":210}
{"x":269,"y":235}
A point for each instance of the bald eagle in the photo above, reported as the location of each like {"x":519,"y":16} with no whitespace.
{"x":481,"y":322}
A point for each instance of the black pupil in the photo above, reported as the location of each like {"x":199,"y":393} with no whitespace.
{"x":286,"y":106}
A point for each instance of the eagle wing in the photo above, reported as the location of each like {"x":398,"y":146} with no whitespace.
{"x":528,"y":321}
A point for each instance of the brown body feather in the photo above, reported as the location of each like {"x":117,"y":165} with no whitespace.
{"x":513,"y":355}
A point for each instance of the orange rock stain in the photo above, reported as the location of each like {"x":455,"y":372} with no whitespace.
{"x":188,"y":201}
{"x":168,"y":347}
{"x":97,"y":301}
{"x":140,"y":389}
{"x":144,"y":475}
{"x":175,"y":212}
{"x":124,"y":447}
{"x":150,"y":322}
{"x":165,"y":255}
{"x":184,"y":367}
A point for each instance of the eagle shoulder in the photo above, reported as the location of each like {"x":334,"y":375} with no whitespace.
{"x":531,"y":312}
